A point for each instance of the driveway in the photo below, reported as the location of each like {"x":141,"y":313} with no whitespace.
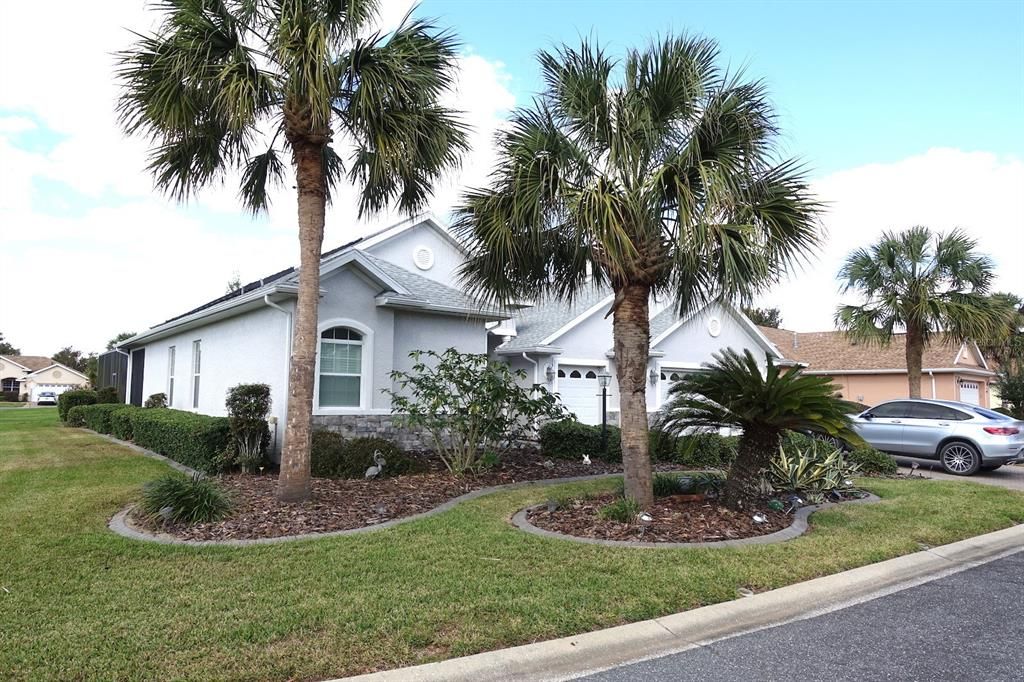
{"x":967,"y":626}
{"x":1009,"y":476}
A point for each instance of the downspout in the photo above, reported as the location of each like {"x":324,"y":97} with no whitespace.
{"x":287,"y":355}
{"x":536,"y":369}
{"x":932,"y":375}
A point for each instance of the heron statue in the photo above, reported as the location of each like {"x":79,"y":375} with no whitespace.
{"x":378,"y":465}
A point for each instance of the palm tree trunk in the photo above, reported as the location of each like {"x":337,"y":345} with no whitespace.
{"x":293,"y":483}
{"x":754,"y":454}
{"x":632,"y":339}
{"x":915,"y":351}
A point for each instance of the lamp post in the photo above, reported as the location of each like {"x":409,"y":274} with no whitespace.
{"x":603,"y":379}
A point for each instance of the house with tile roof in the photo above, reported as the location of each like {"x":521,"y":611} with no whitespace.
{"x":871,"y":374}
{"x":30,"y":375}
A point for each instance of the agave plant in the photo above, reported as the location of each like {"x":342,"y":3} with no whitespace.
{"x":806,"y":471}
{"x":734,"y":391}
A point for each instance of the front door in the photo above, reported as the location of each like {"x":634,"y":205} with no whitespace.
{"x":138,"y":370}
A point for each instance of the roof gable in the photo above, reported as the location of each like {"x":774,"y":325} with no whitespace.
{"x":57,"y":365}
{"x":30,"y":363}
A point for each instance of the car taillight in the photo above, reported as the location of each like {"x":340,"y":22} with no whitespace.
{"x":1002,"y":430}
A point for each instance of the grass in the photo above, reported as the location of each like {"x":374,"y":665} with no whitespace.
{"x":7,"y":404}
{"x":78,"y":602}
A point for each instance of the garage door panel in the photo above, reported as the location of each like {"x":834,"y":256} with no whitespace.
{"x":580,"y":393}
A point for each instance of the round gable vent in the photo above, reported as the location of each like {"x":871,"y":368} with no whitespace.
{"x":714,"y":326}
{"x":423,"y":257}
{"x":57,"y":374}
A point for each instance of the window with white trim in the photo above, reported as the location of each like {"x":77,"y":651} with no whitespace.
{"x":170,"y":376}
{"x":9,"y":384}
{"x":197,"y":352}
{"x":341,"y":368}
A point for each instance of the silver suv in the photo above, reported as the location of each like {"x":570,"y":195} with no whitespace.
{"x":963,"y":437}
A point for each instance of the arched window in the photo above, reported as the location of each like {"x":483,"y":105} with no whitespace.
{"x":675,"y":376}
{"x":561,"y":374}
{"x":591,"y":374}
{"x":663,"y":377}
{"x":341,"y":367}
{"x":575,"y":374}
{"x":8,"y":384}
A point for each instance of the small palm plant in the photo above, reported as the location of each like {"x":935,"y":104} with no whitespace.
{"x":733,"y":391}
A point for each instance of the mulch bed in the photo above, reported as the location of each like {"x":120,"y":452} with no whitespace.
{"x":675,"y":520}
{"x":343,"y":504}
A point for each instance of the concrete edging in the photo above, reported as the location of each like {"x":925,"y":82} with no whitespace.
{"x":570,"y":657}
{"x":796,"y":529}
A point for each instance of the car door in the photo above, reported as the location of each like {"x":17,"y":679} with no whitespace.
{"x":882,"y":426}
{"x":926,"y":427}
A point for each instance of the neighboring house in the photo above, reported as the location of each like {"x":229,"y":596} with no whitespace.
{"x":871,"y":374}
{"x":33,"y":374}
{"x":391,"y":293}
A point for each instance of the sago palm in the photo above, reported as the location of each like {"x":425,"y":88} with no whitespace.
{"x":269,"y":88}
{"x":926,"y":284}
{"x":654,"y":175}
{"x":733,"y":392}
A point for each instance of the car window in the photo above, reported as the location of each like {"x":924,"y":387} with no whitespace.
{"x":895,"y":409}
{"x":989,"y":414}
{"x":932,"y":411}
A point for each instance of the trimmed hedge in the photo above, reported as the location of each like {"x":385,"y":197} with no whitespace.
{"x":195,"y":440}
{"x":96,"y":417}
{"x":570,"y":439}
{"x":69,"y":399}
{"x":121,"y":422}
{"x":705,"y":451}
{"x":871,"y":461}
{"x":331,"y":456}
{"x":108,"y":394}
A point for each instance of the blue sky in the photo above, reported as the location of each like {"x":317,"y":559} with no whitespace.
{"x":904,"y":113}
{"x":854,"y":82}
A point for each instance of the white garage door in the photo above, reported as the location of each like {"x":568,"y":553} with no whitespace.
{"x":52,"y":388}
{"x":668,"y":379}
{"x":580,"y":393}
{"x":969,"y":392}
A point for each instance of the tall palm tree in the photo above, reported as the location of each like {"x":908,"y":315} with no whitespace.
{"x":733,"y":392}
{"x":654,"y":175}
{"x":246,"y":85}
{"x":925,"y":283}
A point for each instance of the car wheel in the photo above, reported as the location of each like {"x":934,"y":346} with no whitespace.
{"x":832,"y":441}
{"x":990,"y":467}
{"x":959,"y":458}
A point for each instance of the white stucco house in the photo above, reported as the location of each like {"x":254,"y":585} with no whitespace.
{"x":384,"y":296}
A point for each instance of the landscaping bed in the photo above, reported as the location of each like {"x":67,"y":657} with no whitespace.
{"x":344,"y":504}
{"x":677,"y":518}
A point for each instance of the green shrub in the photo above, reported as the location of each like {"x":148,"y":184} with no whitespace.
{"x":69,"y":399}
{"x":156,"y":400}
{"x":666,"y":485}
{"x":9,"y":397}
{"x":810,"y":473}
{"x":121,"y":422}
{"x":705,"y":451}
{"x":248,"y":406}
{"x":106,"y":395}
{"x":623,"y":510}
{"x":195,"y":440}
{"x":871,"y":461}
{"x":662,"y":445}
{"x":178,"y":499}
{"x":96,"y":417}
{"x":332,"y":456}
{"x":570,"y":439}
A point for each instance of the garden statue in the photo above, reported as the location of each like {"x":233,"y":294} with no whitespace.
{"x":378,"y":465}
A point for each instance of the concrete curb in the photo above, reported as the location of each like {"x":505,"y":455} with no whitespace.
{"x":570,"y":657}
{"x":796,"y":529}
{"x":121,"y":525}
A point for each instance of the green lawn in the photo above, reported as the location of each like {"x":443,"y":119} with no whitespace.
{"x":78,"y":602}
{"x":7,"y":404}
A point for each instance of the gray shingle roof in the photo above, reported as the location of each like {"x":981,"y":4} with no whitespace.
{"x":427,"y":290}
{"x":663,"y":320}
{"x":535,"y":324}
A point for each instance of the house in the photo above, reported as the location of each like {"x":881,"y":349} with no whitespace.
{"x":30,"y":375}
{"x":386,"y":295}
{"x":871,"y":374}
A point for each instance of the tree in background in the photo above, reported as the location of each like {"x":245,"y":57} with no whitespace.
{"x":765,"y":317}
{"x":6,"y":348}
{"x":658,"y":175}
{"x":250,"y":84}
{"x":235,"y":283}
{"x":69,"y":357}
{"x":925,"y":284}
{"x":1006,"y":346}
{"x":116,"y":341}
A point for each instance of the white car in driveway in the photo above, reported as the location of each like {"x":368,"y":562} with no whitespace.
{"x":964,"y":438}
{"x":46,"y":398}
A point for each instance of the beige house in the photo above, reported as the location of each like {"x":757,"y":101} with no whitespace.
{"x":870,"y":375}
{"x":30,"y":375}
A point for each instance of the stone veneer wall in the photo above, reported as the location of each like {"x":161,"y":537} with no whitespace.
{"x":387,"y":426}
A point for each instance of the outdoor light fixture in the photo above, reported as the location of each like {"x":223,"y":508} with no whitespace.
{"x":604,"y":378}
{"x":550,"y":373}
{"x":652,"y":377}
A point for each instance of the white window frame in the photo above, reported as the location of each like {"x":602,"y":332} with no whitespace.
{"x":366,"y":374}
{"x":197,"y":367}
{"x":171,"y":353}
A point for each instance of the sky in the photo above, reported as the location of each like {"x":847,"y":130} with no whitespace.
{"x":904,"y":113}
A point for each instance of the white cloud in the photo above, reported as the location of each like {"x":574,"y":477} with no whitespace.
{"x":942,"y":189}
{"x":111,"y":255}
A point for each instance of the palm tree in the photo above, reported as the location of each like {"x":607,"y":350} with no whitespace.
{"x":246,"y":85}
{"x":925,"y":283}
{"x":656,"y":175}
{"x":733,"y":392}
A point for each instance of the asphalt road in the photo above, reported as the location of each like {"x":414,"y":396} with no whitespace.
{"x":967,"y":626}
